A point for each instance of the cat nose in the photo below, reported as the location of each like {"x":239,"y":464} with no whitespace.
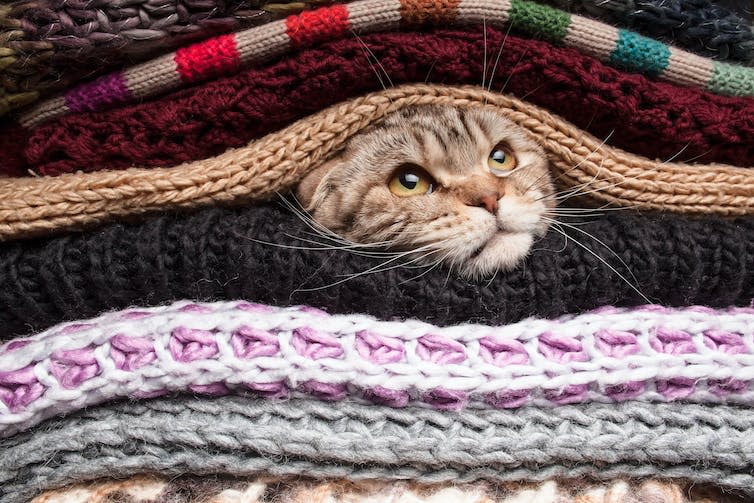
{"x":489,"y":202}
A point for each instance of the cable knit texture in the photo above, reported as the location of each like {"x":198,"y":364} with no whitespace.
{"x":701,"y":26}
{"x":626,"y":110}
{"x":242,"y":437}
{"x":187,"y":489}
{"x":47,"y":45}
{"x":202,"y":62}
{"x":230,"y":254}
{"x":274,"y":164}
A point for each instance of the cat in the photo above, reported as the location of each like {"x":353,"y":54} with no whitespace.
{"x":465,"y":187}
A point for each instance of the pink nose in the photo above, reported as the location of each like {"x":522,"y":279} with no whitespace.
{"x":489,"y":202}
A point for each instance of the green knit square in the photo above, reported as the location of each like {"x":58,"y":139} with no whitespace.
{"x":641,"y":54}
{"x":539,"y":20}
{"x":732,"y":80}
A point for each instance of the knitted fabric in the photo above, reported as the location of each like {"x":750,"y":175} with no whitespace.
{"x":196,"y":63}
{"x":650,"y":354}
{"x":626,"y":110}
{"x":152,"y":489}
{"x":701,"y":26}
{"x":231,"y":254}
{"x":273,"y":164}
{"x":47,"y":45}
{"x":243,"y":437}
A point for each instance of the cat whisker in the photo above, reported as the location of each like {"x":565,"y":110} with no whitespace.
{"x":556,"y":227}
{"x":376,"y":60}
{"x":484,"y":60}
{"x":431,"y":67}
{"x":497,"y":59}
{"x":510,"y":75}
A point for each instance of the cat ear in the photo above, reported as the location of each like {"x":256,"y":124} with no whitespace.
{"x":313,"y":188}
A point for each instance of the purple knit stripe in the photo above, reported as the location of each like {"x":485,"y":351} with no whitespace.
{"x":103,"y":92}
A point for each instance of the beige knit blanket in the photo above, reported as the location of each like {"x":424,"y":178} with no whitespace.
{"x":274,"y":163}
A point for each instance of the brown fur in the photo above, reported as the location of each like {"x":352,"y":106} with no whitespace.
{"x":454,"y":224}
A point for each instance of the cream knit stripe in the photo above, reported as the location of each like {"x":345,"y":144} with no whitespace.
{"x":649,"y":354}
{"x":274,"y":163}
{"x":259,"y":44}
{"x":154,"y":489}
{"x":592,"y":37}
{"x":688,"y":69}
{"x":237,"y":436}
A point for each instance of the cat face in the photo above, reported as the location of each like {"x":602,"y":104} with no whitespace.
{"x":466,"y":187}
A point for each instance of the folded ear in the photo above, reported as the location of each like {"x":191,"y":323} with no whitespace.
{"x":313,"y":188}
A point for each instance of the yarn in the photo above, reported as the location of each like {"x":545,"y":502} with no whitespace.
{"x":648,"y":354}
{"x":273,"y":164}
{"x":244,"y":437}
{"x":48,"y":45}
{"x":261,"y":44}
{"x":188,"y":489}
{"x":701,"y":26}
{"x":231,"y":254}
{"x":627,"y":111}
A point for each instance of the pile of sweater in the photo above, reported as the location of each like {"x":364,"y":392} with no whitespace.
{"x":170,"y":332}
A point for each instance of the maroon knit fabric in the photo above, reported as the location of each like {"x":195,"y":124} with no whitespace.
{"x":651,"y":118}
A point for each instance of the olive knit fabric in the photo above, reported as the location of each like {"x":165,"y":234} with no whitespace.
{"x":701,"y":26}
{"x":46,"y":45}
{"x":244,"y":253}
{"x":629,"y":110}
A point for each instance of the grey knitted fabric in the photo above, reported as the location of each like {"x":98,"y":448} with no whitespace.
{"x":241,"y":436}
{"x":700,"y":26}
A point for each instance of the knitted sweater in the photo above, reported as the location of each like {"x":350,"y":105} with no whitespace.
{"x":213,"y":489}
{"x":224,"y":254}
{"x":701,"y":26}
{"x":47,"y":45}
{"x":627,"y":110}
{"x":228,"y":53}
{"x":234,"y":436}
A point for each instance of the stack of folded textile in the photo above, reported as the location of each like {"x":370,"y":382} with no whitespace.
{"x":169,"y":333}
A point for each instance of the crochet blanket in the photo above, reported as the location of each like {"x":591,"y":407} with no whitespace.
{"x":246,"y":253}
{"x":273,"y":164}
{"x":244,"y":437}
{"x":215,"y":489}
{"x":47,"y":45}
{"x":701,"y":26}
{"x":625,"y":110}
{"x":227,"y":53}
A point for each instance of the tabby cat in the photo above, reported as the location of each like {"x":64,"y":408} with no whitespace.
{"x":465,"y":187}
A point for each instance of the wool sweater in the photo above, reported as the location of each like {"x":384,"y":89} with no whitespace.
{"x":218,"y":253}
{"x":627,"y":110}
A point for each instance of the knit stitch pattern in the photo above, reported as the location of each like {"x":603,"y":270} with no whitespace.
{"x":187,"y":489}
{"x":626,"y":110}
{"x":701,"y":26}
{"x":47,"y":45}
{"x":244,"y":437}
{"x":273,"y":164}
{"x":261,"y":44}
{"x":647,"y":354}
{"x":222,"y":254}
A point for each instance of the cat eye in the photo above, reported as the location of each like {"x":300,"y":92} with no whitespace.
{"x":501,"y":161}
{"x":411,"y":181}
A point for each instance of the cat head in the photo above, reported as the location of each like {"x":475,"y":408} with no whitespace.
{"x":466,"y":187}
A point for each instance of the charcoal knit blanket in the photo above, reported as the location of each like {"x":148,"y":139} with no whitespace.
{"x":242,"y":437}
{"x":47,"y":45}
{"x":626,"y":110}
{"x":701,"y":26}
{"x":244,"y":253}
{"x":226,"y":54}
